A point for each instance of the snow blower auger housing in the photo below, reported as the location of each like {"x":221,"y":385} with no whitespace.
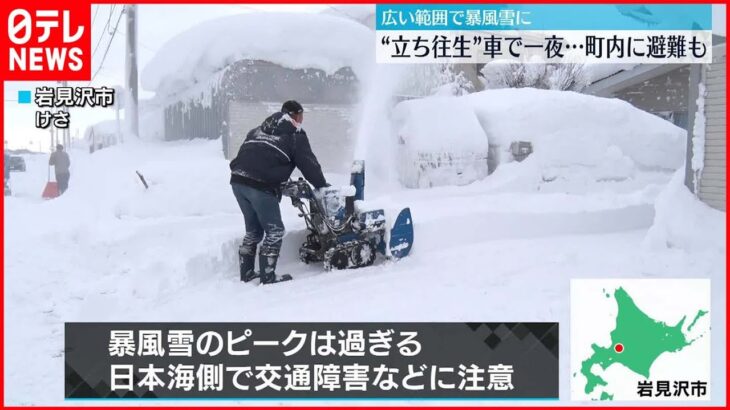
{"x":340,"y":235}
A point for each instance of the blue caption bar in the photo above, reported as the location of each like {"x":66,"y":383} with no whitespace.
{"x":544,"y":17}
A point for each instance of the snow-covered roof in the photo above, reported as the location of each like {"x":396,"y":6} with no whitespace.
{"x":598,"y":71}
{"x":602,"y":75}
{"x":293,"y":40}
{"x":606,"y":86}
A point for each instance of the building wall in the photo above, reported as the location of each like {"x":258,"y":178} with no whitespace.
{"x":256,"y":80}
{"x":193,"y":119}
{"x":329,"y":128}
{"x":712,"y":189}
{"x":252,"y":83}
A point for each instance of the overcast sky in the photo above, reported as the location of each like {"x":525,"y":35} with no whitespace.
{"x":156,"y":25}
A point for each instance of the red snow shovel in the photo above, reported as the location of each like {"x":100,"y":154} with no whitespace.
{"x":51,"y":189}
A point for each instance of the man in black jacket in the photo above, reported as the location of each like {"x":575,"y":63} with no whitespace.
{"x":265,"y":160}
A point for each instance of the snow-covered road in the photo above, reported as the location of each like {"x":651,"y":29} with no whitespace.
{"x":490,"y":251}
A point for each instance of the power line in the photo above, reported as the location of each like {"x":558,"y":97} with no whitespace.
{"x":109,"y":19}
{"x":145,"y":46}
{"x":93,"y":19}
{"x":96,"y":47}
{"x":101,"y":38}
{"x":108,"y":46}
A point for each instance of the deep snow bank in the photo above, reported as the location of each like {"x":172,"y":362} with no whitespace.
{"x":184,"y":180}
{"x":683,"y":221}
{"x":293,"y":40}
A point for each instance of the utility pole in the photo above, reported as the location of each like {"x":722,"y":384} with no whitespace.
{"x":52,"y":128}
{"x":66,"y":132}
{"x":53,"y":137}
{"x":131,"y":115}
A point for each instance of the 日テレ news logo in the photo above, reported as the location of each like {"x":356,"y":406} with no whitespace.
{"x":47,"y":41}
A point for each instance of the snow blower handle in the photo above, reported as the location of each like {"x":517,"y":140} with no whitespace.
{"x":297,"y":191}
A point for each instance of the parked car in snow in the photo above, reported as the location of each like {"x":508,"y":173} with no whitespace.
{"x":440,"y":142}
{"x":16,"y":163}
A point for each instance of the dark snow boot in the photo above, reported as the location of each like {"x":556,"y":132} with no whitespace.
{"x":246,"y":261}
{"x":267,"y":266}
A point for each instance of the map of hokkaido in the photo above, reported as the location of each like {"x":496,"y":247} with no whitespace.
{"x":640,"y":339}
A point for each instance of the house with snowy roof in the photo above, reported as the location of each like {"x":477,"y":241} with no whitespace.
{"x":223,"y":77}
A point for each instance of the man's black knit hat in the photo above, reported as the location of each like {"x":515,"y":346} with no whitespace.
{"x":292,"y":107}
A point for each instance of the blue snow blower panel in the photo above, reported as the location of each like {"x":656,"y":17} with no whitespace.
{"x":401,"y":235}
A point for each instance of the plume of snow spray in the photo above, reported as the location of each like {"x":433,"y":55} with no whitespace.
{"x":375,"y":143}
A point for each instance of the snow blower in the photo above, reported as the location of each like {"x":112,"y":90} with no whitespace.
{"x":341,"y":234}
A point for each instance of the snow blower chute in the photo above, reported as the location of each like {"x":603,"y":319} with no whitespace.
{"x":342,"y":234}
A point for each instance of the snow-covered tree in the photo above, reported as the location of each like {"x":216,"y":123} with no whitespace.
{"x":567,"y":77}
{"x":421,"y":80}
{"x":551,"y":76}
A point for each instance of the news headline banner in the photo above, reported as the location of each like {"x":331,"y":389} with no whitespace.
{"x":555,"y":33}
{"x":311,"y":360}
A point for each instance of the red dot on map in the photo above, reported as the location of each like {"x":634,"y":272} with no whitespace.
{"x":618,"y":348}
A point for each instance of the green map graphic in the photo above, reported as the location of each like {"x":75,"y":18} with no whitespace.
{"x":643,"y":340}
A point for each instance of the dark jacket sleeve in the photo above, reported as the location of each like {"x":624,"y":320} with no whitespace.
{"x":305,"y":160}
